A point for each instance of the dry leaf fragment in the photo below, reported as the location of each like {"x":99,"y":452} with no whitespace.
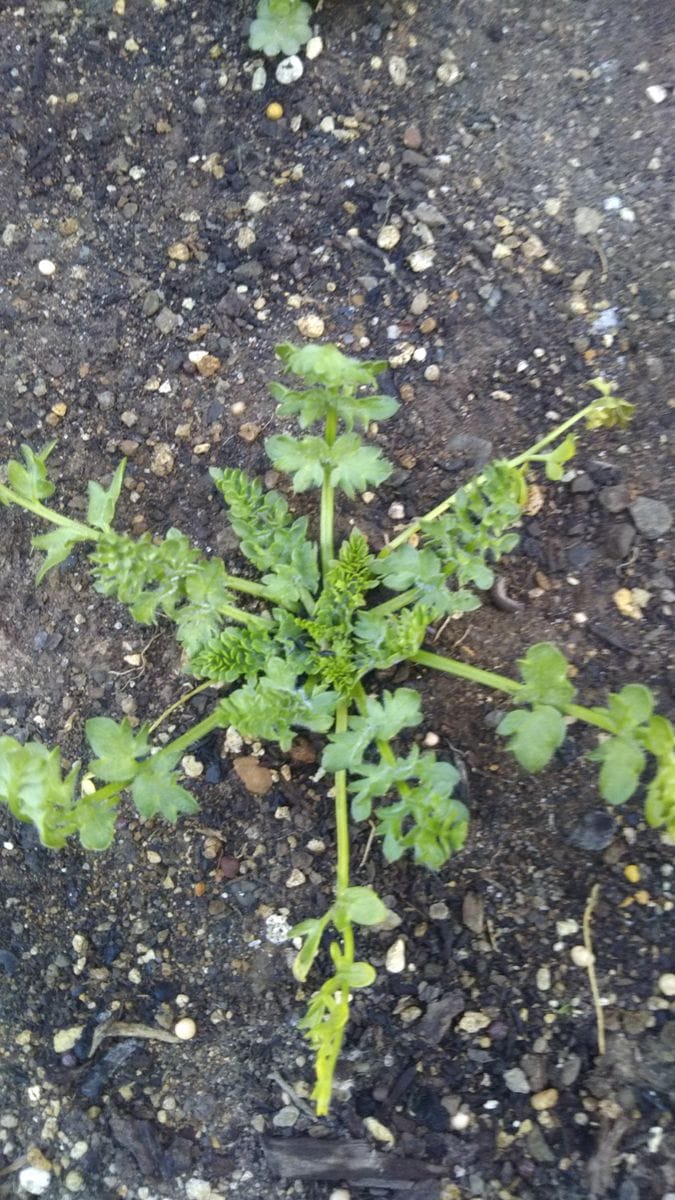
{"x":128,"y":1029}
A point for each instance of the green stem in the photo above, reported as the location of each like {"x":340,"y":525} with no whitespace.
{"x":326,"y":523}
{"x":239,"y":614}
{"x":48,"y":514}
{"x":395,"y":603}
{"x":194,"y":734}
{"x":179,"y":704}
{"x":502,"y":683}
{"x":518,"y":461}
{"x":102,"y":793}
{"x":341,"y":811}
{"x":249,"y":587}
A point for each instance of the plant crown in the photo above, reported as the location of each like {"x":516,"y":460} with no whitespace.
{"x":305,"y":653}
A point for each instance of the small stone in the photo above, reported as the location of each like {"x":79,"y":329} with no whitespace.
{"x":396,"y":511}
{"x":582,"y":957}
{"x":311,"y":326}
{"x":619,"y":540}
{"x":587,"y":221}
{"x":448,"y":72}
{"x":342,"y":1194}
{"x":34,"y":1180}
{"x":249,"y":431}
{"x":473,"y":1022}
{"x":398,"y":70}
{"x":151,"y":304}
{"x":542,"y":1101}
{"x":632,"y":873}
{"x":314,"y":48}
{"x":439,"y":911}
{"x":274,"y":111}
{"x":296,"y":878}
{"x":516,"y":1081}
{"x":430,"y":215}
{"x":191,"y":766}
{"x":656,"y":93}
{"x":256,"y":779}
{"x":412,"y":138}
{"x":46,"y":266}
{"x":388,"y":237}
{"x":74,"y":1181}
{"x":533,"y":248}
{"x":256,"y":202}
{"x":258,"y":79}
{"x":166,"y":321}
{"x":631,"y":601}
{"x":543,"y":979}
{"x":286,"y":1117}
{"x":501,"y":251}
{"x":419,"y":303}
{"x":198,"y":1189}
{"x":422,"y":259}
{"x":652,"y":518}
{"x":162,"y":461}
{"x":594,"y":831}
{"x":179,"y":252}
{"x":615,"y":498}
{"x":432,"y":373}
{"x":667,"y":983}
{"x":185,"y":1029}
{"x":64,"y":1039}
{"x":289,"y":70}
{"x":395,"y":958}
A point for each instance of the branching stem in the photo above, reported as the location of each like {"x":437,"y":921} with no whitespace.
{"x":7,"y":496}
{"x":502,"y":683}
{"x":518,"y":461}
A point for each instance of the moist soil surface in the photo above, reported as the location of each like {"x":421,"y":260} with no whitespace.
{"x":150,"y":207}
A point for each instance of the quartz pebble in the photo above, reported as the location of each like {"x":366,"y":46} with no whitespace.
{"x":289,"y":70}
{"x":46,"y":266}
{"x":162,"y":461}
{"x":398,"y":70}
{"x":541,"y":1101}
{"x":581,"y":956}
{"x":667,"y":983}
{"x":656,"y":93}
{"x":311,"y":326}
{"x":314,"y":48}
{"x":388,"y":237}
{"x":587,"y":221}
{"x":34,"y":1180}
{"x":395,"y":957}
{"x":185,"y":1029}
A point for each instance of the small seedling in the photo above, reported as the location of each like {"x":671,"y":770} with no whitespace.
{"x":280,"y":27}
{"x":306,"y":652}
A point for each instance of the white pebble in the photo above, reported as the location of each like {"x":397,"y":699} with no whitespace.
{"x":34,"y":1180}
{"x":256,"y":202}
{"x":656,"y":93}
{"x":582,"y":957}
{"x":395,"y":957}
{"x":258,"y":79}
{"x":396,"y":511}
{"x":313,"y":48}
{"x":340,"y":1194}
{"x":460,"y":1121}
{"x":388,"y":237}
{"x":667,"y":983}
{"x":46,"y":266}
{"x":398,"y":70}
{"x":185,"y":1029}
{"x":289,"y":69}
{"x":421,"y":260}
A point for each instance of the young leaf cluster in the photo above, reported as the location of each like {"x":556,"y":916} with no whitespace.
{"x":280,"y":27}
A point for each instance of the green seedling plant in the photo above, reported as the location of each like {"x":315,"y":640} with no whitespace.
{"x":304,"y":644}
{"x":280,"y":27}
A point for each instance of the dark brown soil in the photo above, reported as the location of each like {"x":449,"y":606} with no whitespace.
{"x":121,"y":135}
